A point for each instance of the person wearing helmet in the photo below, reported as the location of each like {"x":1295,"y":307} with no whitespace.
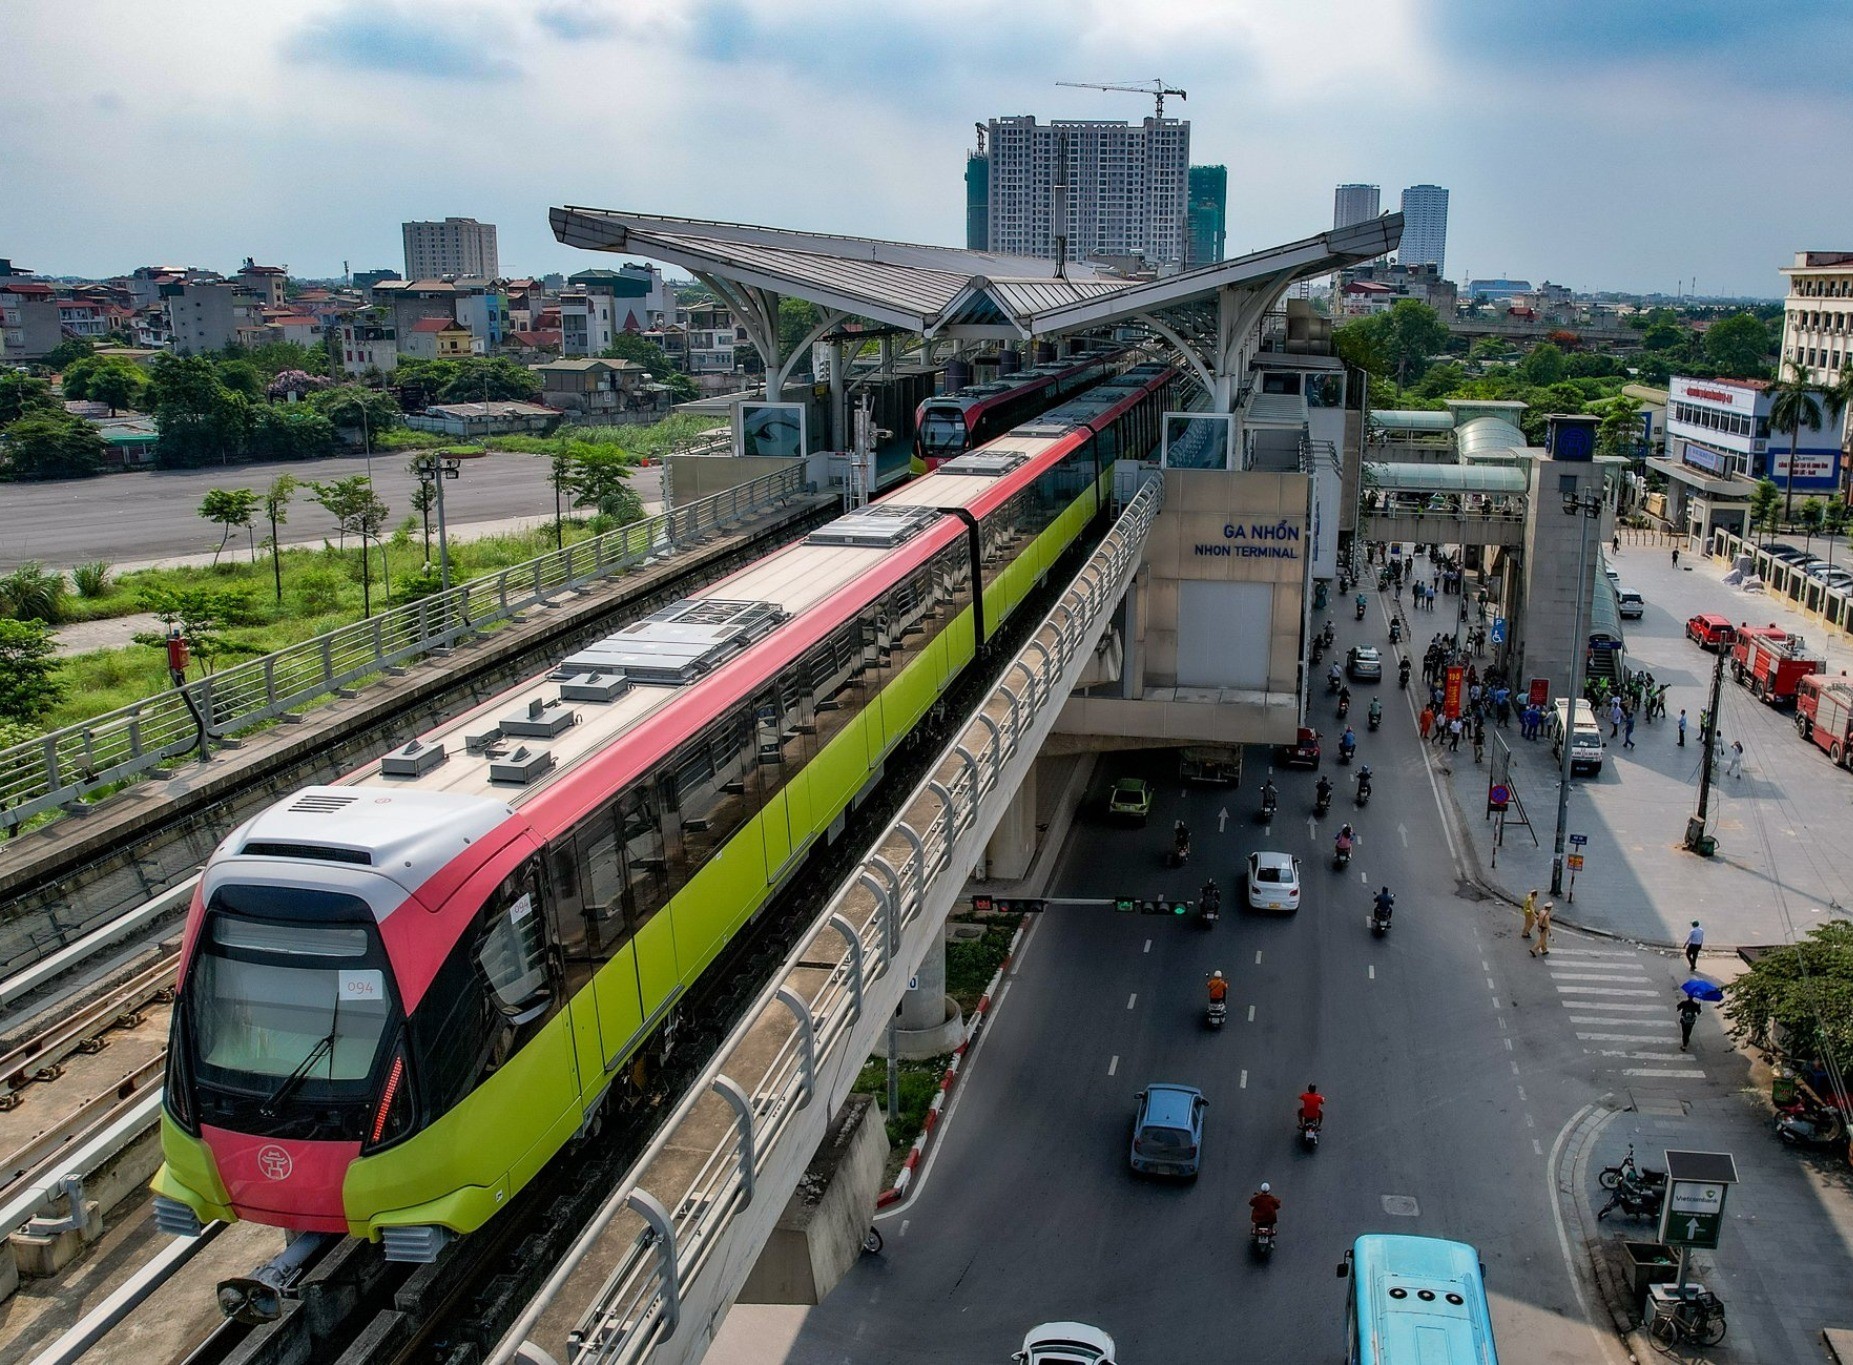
{"x":1219,"y":988}
{"x":1384,"y":903}
{"x":1264,"y":1208}
{"x":1312,"y":1107}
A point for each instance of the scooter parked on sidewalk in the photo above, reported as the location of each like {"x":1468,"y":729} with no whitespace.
{"x":1635,"y":1199}
{"x":1626,"y":1169}
{"x":1805,"y":1124}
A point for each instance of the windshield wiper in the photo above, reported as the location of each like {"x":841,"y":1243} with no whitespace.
{"x":269,"y":1107}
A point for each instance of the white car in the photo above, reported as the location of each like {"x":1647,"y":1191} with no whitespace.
{"x":1066,"y":1343}
{"x":1273,"y":882}
{"x":1630,"y":605}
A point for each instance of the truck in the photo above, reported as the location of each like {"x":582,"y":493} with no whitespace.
{"x":1770,"y":661}
{"x":1824,"y":715}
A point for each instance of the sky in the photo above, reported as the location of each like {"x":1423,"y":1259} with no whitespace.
{"x":1603,"y":144}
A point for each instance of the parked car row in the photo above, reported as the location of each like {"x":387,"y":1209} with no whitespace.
{"x":1812,"y":565}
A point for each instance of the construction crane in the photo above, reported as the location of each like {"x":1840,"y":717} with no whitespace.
{"x":1156,"y":88}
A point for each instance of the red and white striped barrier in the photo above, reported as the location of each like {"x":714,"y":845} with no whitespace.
{"x":916,"y":1152}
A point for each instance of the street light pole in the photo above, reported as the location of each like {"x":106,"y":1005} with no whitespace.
{"x":437,"y":469}
{"x":1589,"y":507}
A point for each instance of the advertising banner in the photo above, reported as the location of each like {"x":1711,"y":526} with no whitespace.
{"x":1451,"y":691}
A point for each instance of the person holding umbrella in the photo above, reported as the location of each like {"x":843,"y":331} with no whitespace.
{"x":1690,"y":1009}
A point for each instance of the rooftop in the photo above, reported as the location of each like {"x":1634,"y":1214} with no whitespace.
{"x":438,"y":325}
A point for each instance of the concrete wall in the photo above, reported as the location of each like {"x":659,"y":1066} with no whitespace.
{"x":687,"y":478}
{"x":819,"y":1236}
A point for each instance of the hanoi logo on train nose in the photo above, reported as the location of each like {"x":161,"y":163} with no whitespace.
{"x":275,"y":1163}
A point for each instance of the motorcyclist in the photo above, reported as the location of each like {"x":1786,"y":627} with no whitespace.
{"x":1396,"y":629}
{"x":1328,"y":634}
{"x":1347,"y":742}
{"x":1219,"y":988}
{"x":1345,"y":839}
{"x":1324,"y":792}
{"x":1333,"y":677}
{"x":1383,"y":904}
{"x":1270,"y":796}
{"x":1211,"y":898}
{"x":1376,"y":711}
{"x":1402,"y":671}
{"x":1180,"y":837}
{"x":1312,"y":1107}
{"x":1364,"y":780}
{"x":1264,"y":1208}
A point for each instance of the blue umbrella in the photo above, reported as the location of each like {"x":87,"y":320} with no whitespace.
{"x":1702,"y":990}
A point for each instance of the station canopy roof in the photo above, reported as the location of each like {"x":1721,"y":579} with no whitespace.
{"x":1446,"y":478}
{"x":1407,"y":419}
{"x":944,"y":291}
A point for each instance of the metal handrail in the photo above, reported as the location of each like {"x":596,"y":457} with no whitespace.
{"x":60,"y":769}
{"x":639,"y":1304}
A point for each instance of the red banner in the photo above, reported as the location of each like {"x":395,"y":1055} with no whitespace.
{"x":1540,"y":695}
{"x":1451,"y":691}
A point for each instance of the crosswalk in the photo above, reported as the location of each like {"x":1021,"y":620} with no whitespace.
{"x":1607,"y":992}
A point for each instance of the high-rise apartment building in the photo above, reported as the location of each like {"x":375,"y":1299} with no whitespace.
{"x":1425,"y":228}
{"x":1817,"y":316}
{"x":456,"y":246}
{"x":1127,"y":187}
{"x":977,"y":201}
{"x":1354,"y":204}
{"x":1209,"y":214}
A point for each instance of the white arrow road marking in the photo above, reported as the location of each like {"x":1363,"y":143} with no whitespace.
{"x":1222,"y":820}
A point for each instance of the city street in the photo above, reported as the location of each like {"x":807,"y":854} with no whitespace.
{"x":131,"y":519}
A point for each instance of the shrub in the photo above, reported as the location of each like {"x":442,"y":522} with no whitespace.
{"x":92,"y":579}
{"x":30,"y":593}
{"x":318,"y":591}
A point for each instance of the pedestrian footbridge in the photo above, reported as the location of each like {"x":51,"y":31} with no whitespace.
{"x":1446,"y":504}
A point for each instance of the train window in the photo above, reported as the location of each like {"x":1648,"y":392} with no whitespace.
{"x":604,"y":885}
{"x":513,"y":949}
{"x":645,"y":867}
{"x":716,"y":789}
{"x":571,"y":926}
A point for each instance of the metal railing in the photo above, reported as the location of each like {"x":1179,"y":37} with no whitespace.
{"x":903,"y":889}
{"x":1832,"y":605}
{"x":60,"y":769}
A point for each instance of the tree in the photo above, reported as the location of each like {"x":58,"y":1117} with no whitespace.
{"x":1739,"y":347}
{"x":1799,"y":997}
{"x":242,"y":377}
{"x":1620,"y":430}
{"x":1412,"y":333}
{"x":358,"y":511}
{"x":1544,"y":366}
{"x":21,"y":394}
{"x":65,"y":352}
{"x":656,"y":361}
{"x":1364,"y":343}
{"x":354,"y":407}
{"x":289,"y":431}
{"x":275,"y":357}
{"x":117,"y":385}
{"x":229,"y":507}
{"x":29,"y":685}
{"x":796,"y":318}
{"x":277,"y":513}
{"x":472,"y":380}
{"x":1794,"y":403}
{"x":288,"y":384}
{"x":1664,"y":336}
{"x":199,"y":420}
{"x":202,"y":616}
{"x":599,"y":479}
{"x":52,"y":445}
{"x":1765,"y":504}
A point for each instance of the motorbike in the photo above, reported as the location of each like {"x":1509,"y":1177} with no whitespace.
{"x":1261,"y":1238}
{"x":1402,"y":675}
{"x":1217,"y":1012}
{"x":1363,"y":794}
{"x":1345,"y":752}
{"x":1341,"y":856}
{"x":1625,"y":1169}
{"x":1332,"y":683}
{"x":1269,"y":804}
{"x":1322,"y":804}
{"x":1634,"y":1199}
{"x":1328,"y":635}
{"x":1396,"y":629}
{"x":1180,"y":852}
{"x":1379,"y":922}
{"x":1309,"y":1134}
{"x":1209,"y":908}
{"x":1811,"y":1125}
{"x":1376,"y":715}
{"x":1360,"y":608}
{"x":1344,"y":707}
{"x":1316,"y":653}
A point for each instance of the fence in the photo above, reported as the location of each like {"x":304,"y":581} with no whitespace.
{"x":917,"y":872}
{"x":1832,"y":605}
{"x":60,"y":769}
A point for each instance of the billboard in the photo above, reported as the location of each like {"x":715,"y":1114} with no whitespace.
{"x":775,"y":429}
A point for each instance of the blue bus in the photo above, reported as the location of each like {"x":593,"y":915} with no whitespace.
{"x":1416,"y":1301}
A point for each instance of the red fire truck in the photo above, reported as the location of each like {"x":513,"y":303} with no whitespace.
{"x":1770,"y":662}
{"x":1824,"y":714}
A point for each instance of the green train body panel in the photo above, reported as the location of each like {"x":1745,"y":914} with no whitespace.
{"x":498,"y":1137}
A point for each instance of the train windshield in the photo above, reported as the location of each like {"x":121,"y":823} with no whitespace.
{"x":302,"y":1000}
{"x":942,"y":433}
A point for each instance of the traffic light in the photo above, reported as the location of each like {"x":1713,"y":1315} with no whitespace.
{"x":1125,"y":905}
{"x":981,"y":905}
{"x":1180,"y":907}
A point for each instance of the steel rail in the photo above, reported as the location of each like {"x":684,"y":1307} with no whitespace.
{"x":39,"y":1058}
{"x":41,"y":1159}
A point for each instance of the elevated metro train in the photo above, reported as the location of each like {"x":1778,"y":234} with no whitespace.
{"x":949,"y":424}
{"x":402,"y":993}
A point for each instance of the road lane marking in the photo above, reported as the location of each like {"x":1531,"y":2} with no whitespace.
{"x":1489,"y":984}
{"x":1244,"y":1084}
{"x":1148,"y":945}
{"x":1113,"y":1065}
{"x":1615,"y":1006}
{"x":1514,"y":1066}
{"x":1485,"y":966}
{"x":1557,"y":976}
{"x":1372,"y":969}
{"x":1508,"y":1045}
{"x":1537,"y":1148}
{"x":1662,"y":1071}
{"x":1596,"y":952}
{"x":1603,"y":990}
{"x":1530,"y":1122}
{"x":1251,"y":1014}
{"x":1496,"y":1004}
{"x":1257,"y":957}
{"x":1619,"y":1019}
{"x":1132,"y":1000}
{"x":904,"y":1223}
{"x":1640,"y":1056}
{"x":1611,"y":966}
{"x":1621,"y":1038}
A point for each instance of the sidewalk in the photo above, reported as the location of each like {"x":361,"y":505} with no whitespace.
{"x":1783,"y":864}
{"x":1785,"y":1257}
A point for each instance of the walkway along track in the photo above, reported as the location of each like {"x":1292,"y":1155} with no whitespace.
{"x":58,"y":883}
{"x":353,"y":1307}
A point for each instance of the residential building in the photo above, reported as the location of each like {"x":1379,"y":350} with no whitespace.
{"x":265,"y":281}
{"x":599,"y":305}
{"x":977,"y":201}
{"x":1817,"y":316}
{"x":1127,"y":188}
{"x":364,"y":280}
{"x":1208,"y":214}
{"x":303,"y":329}
{"x":1719,"y":444}
{"x":29,"y":326}
{"x":455,"y":246}
{"x":1355,"y":204}
{"x":436,"y":339}
{"x":368,"y":342}
{"x":86,"y":318}
{"x":209,"y":315}
{"x":585,"y":322}
{"x":1376,"y":288}
{"x":712,"y":341}
{"x":1425,"y":228}
{"x":597,"y":388}
{"x":484,"y":310}
{"x":485,"y":419}
{"x":1497,"y":289}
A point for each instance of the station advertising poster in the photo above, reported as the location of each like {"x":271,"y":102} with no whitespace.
{"x":1451,"y":691}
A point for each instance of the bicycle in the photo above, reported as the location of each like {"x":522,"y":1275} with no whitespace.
{"x":1698,"y":1318}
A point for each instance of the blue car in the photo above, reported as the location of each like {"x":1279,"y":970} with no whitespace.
{"x":1167,"y":1130}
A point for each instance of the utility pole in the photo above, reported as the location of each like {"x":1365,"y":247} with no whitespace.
{"x":1589,"y":507}
{"x":437,"y":468}
{"x":1696,"y":839}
